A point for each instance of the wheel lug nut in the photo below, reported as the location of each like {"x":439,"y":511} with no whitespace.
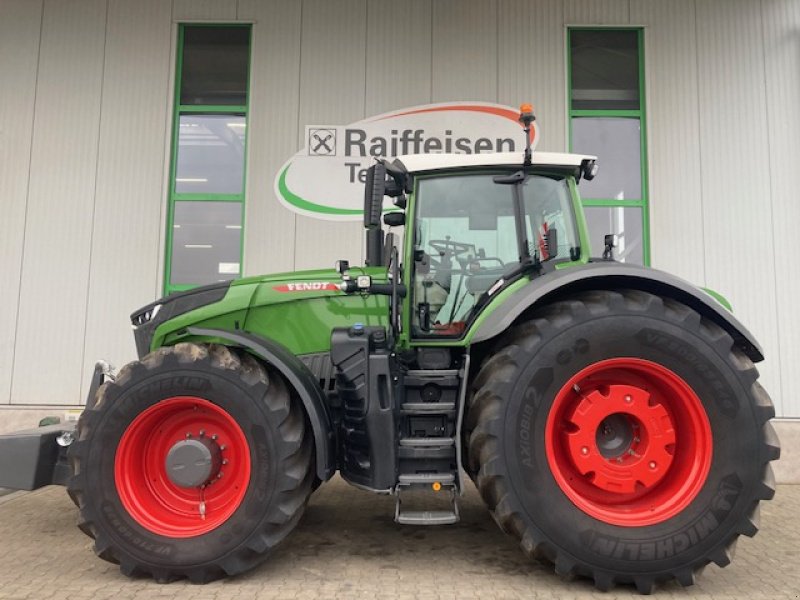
{"x":584,"y":450}
{"x":214,"y":436}
{"x":188,"y":435}
{"x":221,"y":448}
{"x":652,"y":464}
{"x":202,"y":432}
{"x":219,"y":475}
{"x":628,"y":399}
{"x":224,"y":461}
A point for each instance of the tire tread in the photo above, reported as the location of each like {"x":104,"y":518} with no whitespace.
{"x":486,"y":404}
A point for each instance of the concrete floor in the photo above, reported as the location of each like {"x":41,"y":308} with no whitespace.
{"x":347,"y":546}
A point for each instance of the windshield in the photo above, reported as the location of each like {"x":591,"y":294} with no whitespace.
{"x":465,"y":240}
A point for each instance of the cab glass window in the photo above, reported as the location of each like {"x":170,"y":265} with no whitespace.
{"x":466,"y":239}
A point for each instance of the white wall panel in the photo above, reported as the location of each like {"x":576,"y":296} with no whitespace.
{"x":781,"y":22}
{"x":272,"y":131}
{"x":399,"y":62}
{"x":532,"y":65}
{"x":204,"y":10}
{"x":734,"y":151}
{"x":398,"y":58}
{"x":597,"y":12}
{"x":675,"y":182}
{"x":125,"y":252}
{"x":19,"y":49}
{"x":84,"y":128}
{"x":55,"y":269}
{"x":465,"y":50}
{"x":332,"y":76}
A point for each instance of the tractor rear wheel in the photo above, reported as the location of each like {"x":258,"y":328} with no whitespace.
{"x":623,"y":438}
{"x":194,"y":463}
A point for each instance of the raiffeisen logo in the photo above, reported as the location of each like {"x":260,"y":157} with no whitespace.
{"x":325,"y":179}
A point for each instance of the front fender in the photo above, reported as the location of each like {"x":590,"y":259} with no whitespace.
{"x":300,"y":378}
{"x":609,"y":276}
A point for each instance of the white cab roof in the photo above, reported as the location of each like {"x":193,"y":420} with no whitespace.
{"x":417,"y":163}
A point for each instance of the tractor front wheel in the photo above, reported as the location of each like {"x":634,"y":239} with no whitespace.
{"x":194,"y":463}
{"x":623,"y":438}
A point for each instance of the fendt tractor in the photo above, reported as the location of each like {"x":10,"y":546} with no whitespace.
{"x":608,"y":414}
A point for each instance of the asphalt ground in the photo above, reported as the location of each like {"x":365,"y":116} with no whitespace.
{"x":347,"y":546}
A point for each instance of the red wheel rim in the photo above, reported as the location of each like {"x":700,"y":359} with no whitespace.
{"x":140,"y":473}
{"x":628,"y":442}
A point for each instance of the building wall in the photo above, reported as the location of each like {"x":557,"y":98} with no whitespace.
{"x":86,"y":97}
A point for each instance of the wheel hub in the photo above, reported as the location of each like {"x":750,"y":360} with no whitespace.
{"x":615,"y":435}
{"x":182,"y":467}
{"x":193,"y":462}
{"x":628,"y":441}
{"x":620,"y":440}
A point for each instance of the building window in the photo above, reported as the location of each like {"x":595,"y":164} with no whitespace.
{"x":607,"y":119}
{"x":206,"y":194}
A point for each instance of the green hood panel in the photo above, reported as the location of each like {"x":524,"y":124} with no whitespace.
{"x":297,"y":310}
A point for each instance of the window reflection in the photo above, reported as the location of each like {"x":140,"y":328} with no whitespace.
{"x":626,"y":222}
{"x":206,"y":242}
{"x":210,"y":154}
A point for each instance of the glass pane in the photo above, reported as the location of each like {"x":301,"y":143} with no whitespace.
{"x":616,"y":142}
{"x":626,"y":222}
{"x":210,"y":154}
{"x":548,"y":207}
{"x":466,"y":239}
{"x":215,"y":65}
{"x":605,"y":69}
{"x":206,"y":242}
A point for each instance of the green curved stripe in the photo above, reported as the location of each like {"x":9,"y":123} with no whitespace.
{"x":719,"y":298}
{"x":299,"y":202}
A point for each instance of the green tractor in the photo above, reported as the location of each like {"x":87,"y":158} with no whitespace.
{"x":609,"y":414}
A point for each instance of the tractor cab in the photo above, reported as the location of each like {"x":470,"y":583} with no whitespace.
{"x":473,"y":225}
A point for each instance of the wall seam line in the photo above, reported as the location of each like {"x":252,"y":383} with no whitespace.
{"x":366,"y":55}
{"x":27,"y":206}
{"x":771,"y":200}
{"x":431,"y":76}
{"x":297,"y":131}
{"x":700,"y":143}
{"x":94,"y":199}
{"x":496,"y":50}
{"x":166,"y":154}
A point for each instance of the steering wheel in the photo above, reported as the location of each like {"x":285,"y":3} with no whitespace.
{"x":450,"y":249}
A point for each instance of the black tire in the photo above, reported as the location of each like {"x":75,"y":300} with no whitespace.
{"x":281,"y":459}
{"x":517,"y":386}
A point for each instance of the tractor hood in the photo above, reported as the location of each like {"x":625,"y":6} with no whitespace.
{"x":297,"y":309}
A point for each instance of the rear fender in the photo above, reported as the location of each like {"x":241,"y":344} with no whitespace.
{"x":300,"y":378}
{"x":609,"y":276}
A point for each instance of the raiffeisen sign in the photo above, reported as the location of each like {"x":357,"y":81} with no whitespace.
{"x":325,"y":179}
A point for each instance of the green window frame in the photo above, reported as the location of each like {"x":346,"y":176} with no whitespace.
{"x":180,"y":110}
{"x":640,"y":114}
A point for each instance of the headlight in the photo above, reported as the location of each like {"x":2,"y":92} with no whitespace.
{"x":145,"y":315}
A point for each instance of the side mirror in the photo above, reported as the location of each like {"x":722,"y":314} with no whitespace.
{"x":374,"y":190}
